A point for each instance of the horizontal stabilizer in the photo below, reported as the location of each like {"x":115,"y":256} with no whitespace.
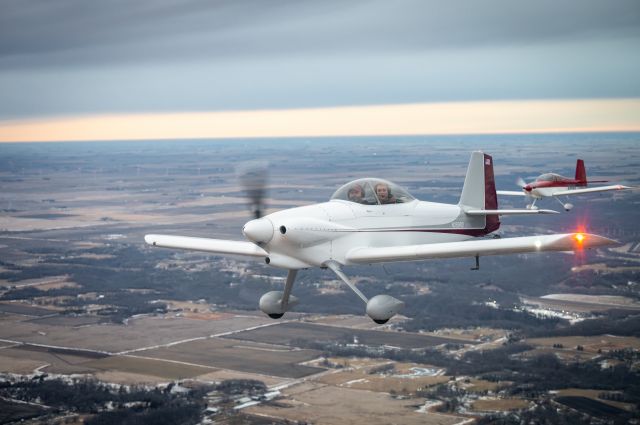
{"x":509,"y":212}
{"x":510,"y":193}
{"x":218,"y":246}
{"x":591,"y":189}
{"x":472,"y":248}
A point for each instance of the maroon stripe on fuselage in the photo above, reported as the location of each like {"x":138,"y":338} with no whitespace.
{"x":468,"y":232}
{"x":559,"y":183}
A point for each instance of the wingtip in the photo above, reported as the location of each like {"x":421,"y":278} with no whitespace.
{"x":593,"y":241}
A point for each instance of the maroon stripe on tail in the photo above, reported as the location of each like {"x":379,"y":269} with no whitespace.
{"x":490,"y":195}
{"x":581,"y":172}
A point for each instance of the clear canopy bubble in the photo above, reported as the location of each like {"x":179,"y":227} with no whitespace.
{"x":372,"y":191}
{"x":549,"y":177}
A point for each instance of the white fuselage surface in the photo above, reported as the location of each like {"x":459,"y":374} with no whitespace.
{"x":319,"y":233}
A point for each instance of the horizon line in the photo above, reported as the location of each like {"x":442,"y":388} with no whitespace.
{"x":412,"y":119}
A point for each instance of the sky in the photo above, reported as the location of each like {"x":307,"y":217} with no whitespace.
{"x":140,"y":64}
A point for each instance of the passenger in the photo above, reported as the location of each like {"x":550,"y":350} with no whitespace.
{"x":356,"y":194}
{"x":384,"y":195}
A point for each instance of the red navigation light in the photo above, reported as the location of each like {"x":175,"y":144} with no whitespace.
{"x":579,"y":237}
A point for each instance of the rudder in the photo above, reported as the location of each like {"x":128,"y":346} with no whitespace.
{"x":581,"y":172}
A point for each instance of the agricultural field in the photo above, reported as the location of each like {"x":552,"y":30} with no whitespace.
{"x":589,"y":405}
{"x":293,"y":333}
{"x":149,"y":367}
{"x":361,"y":379}
{"x":49,"y":360}
{"x":594,"y":395}
{"x":243,"y":356}
{"x":138,"y":333}
{"x":487,"y":404}
{"x":328,"y":405}
{"x":590,"y":344}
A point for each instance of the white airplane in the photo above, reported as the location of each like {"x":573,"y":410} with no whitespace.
{"x":373,"y":221}
{"x":554,"y":185}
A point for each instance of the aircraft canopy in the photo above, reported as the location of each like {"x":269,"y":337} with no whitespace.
{"x":550,"y":177}
{"x":371,"y":191}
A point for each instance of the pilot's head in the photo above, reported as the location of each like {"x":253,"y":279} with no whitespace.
{"x":382,"y":192}
{"x":356,"y":193}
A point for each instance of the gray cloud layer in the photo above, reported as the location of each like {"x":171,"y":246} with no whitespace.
{"x":70,"y":31}
{"x":69,"y":56}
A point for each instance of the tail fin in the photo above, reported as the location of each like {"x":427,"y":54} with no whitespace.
{"x":479,"y":190}
{"x":581,"y":172}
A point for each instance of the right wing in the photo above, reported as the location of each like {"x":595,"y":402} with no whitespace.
{"x":510,"y":193}
{"x":591,"y":189}
{"x":510,"y":212}
{"x":472,"y":248}
{"x":218,"y":246}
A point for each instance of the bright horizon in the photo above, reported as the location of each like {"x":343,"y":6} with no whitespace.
{"x":447,"y":118}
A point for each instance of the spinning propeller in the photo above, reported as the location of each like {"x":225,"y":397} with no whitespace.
{"x":523,"y":185}
{"x":253,"y":177}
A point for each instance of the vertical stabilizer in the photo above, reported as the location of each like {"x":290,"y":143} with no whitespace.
{"x":473,"y":190}
{"x":479,"y":190}
{"x":581,"y":172}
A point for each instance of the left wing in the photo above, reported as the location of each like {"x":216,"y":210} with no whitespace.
{"x":510,"y":193}
{"x":591,"y":189}
{"x":559,"y":242}
{"x":216,"y":246}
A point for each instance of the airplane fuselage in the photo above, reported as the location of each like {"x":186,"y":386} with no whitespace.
{"x":543,"y":188}
{"x":313,"y":235}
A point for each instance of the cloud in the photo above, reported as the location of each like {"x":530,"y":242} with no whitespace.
{"x":67,"y":32}
{"x":76,"y":56}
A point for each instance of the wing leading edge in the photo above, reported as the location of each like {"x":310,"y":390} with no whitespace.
{"x":559,"y":242}
{"x":591,"y":190}
{"x":218,"y":246}
{"x":510,"y":193}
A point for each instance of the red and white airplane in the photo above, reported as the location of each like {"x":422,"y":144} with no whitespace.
{"x":374,"y":221}
{"x":554,"y":185}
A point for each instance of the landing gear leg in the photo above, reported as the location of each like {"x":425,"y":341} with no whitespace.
{"x":567,"y":206}
{"x":477,"y":267}
{"x":335,"y":267}
{"x":380,"y":308}
{"x":275,"y":303}
{"x":291,"y":277}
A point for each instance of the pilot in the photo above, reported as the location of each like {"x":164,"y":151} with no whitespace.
{"x":384,"y":195}
{"x":356,"y":194}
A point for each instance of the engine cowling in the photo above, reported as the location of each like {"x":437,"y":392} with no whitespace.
{"x":271,"y":304}
{"x":381,"y":308}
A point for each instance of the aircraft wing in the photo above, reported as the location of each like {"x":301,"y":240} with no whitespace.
{"x":510,"y":193}
{"x":510,"y":212}
{"x":558,"y":242}
{"x":217,"y":246}
{"x":591,"y":189}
